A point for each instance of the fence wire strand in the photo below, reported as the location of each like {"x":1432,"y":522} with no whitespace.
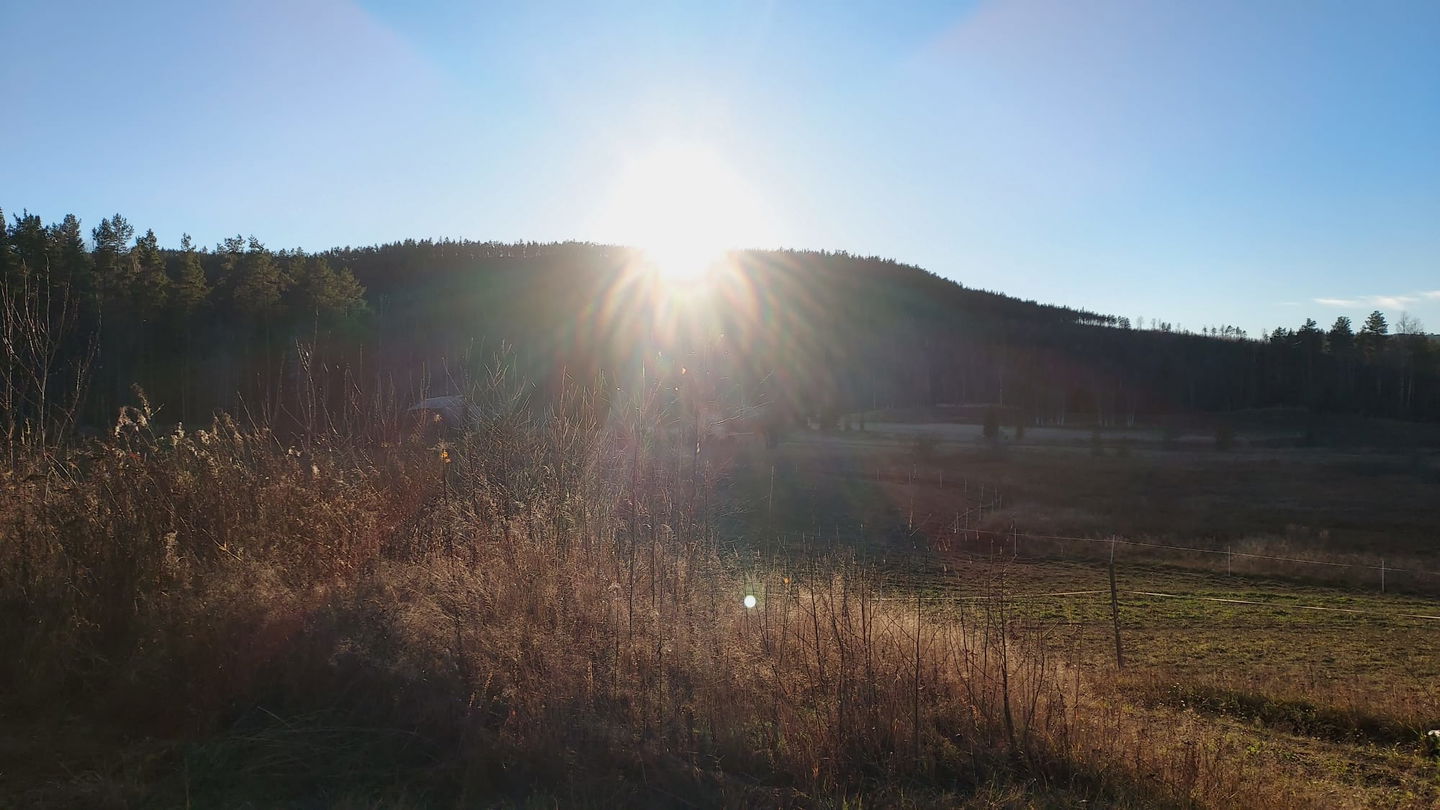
{"x":1199,"y":550}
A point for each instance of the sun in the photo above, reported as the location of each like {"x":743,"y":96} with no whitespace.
{"x":684,"y":207}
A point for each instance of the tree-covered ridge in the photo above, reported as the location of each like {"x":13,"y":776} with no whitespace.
{"x":242,"y":326}
{"x":851,"y":332}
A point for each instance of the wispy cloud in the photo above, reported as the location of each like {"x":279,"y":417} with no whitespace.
{"x":1377,"y":301}
{"x":1431,"y":295}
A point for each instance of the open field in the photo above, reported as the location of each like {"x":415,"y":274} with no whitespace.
{"x":1301,"y":661}
{"x":550,"y":613}
{"x":906,"y":484}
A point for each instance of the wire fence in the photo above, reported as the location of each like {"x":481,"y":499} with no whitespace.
{"x":1384,"y":573}
{"x":950,"y":547}
{"x":937,"y":574}
{"x":1277,"y":603}
{"x":1286,"y":605}
{"x":1227,"y":553}
{"x":958,"y":554}
{"x":943,"y":546}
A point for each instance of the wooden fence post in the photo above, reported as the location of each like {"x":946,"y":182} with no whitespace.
{"x":771,"y":512}
{"x":1115,"y":608}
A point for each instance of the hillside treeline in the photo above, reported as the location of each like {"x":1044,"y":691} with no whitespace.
{"x":243,"y":327}
{"x":86,"y":316}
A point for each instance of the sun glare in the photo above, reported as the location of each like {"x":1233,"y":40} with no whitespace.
{"x":684,"y":207}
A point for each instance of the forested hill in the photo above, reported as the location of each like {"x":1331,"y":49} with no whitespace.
{"x":394,"y":267}
{"x":283,"y":333}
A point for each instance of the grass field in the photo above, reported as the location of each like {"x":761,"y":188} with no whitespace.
{"x":550,"y":613}
{"x":906,"y":483}
{"x":1307,"y":670}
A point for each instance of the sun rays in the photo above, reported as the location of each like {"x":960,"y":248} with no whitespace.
{"x":684,"y":207}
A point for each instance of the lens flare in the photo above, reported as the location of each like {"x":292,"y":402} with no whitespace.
{"x":684,"y":207}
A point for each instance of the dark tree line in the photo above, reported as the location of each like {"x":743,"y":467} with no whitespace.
{"x":1369,"y":371}
{"x":240,"y":326}
{"x":197,"y":328}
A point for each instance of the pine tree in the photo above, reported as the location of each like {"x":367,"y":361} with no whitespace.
{"x":189,"y":291}
{"x":188,"y":285}
{"x":149,"y":284}
{"x":113,"y":270}
{"x":71,"y":259}
{"x":324,"y":291}
{"x":1341,"y":338}
{"x":1372,"y":335}
{"x":30,"y":244}
{"x":231,"y":251}
{"x":259,"y":282}
{"x":7,"y":260}
{"x":1311,"y":343}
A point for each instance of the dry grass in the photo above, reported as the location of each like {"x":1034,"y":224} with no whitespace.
{"x":214,"y":618}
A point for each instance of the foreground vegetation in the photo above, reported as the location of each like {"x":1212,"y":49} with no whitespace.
{"x":541,"y":612}
{"x":504,"y":618}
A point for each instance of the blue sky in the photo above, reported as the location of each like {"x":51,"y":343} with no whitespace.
{"x":1247,"y":162}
